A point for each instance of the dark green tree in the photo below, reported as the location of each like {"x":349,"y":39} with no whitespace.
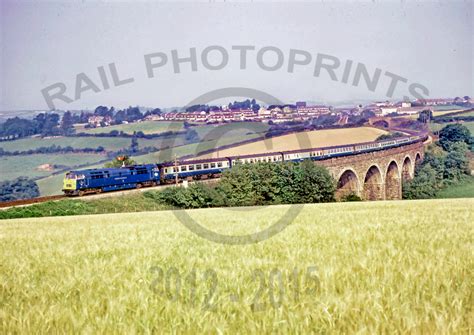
{"x":425,"y":116}
{"x":456,"y":163}
{"x":20,"y":188}
{"x":67,"y":124}
{"x":134,"y":145}
{"x":191,"y":136}
{"x":454,"y":133}
{"x":423,"y":186}
{"x":120,"y":161}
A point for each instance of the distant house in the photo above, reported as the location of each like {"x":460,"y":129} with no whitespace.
{"x":264,"y":113}
{"x":383,"y":103}
{"x":154,"y":117}
{"x":436,"y":101}
{"x":388,"y":109}
{"x":99,"y":121}
{"x":411,"y":110}
{"x":403,"y":104}
{"x":374,"y":109}
{"x":314,"y":110}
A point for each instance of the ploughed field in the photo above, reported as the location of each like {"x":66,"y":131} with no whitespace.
{"x":372,"y":267}
{"x":303,"y":140}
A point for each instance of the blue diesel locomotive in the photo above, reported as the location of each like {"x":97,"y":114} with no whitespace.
{"x":110,"y":179}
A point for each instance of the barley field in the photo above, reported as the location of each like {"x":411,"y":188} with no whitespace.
{"x":366,"y":268}
{"x":303,"y":140}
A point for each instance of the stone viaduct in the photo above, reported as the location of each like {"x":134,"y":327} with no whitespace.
{"x":375,"y":175}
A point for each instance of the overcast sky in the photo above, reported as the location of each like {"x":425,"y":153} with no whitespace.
{"x":45,"y":43}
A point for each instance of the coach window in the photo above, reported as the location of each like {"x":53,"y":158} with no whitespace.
{"x":183,"y":168}
{"x":166,"y":170}
{"x":206,"y":166}
{"x":191,"y":167}
{"x":219,"y":164}
{"x":198,"y":166}
{"x":213,"y":165}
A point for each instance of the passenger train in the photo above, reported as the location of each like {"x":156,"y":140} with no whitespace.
{"x":88,"y":181}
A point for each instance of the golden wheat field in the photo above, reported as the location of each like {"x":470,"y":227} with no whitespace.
{"x":365,"y":268}
{"x":303,"y":140}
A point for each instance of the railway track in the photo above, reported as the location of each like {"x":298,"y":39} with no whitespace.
{"x":30,"y":201}
{"x":27,"y":202}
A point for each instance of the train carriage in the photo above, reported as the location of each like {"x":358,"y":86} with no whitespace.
{"x":194,"y":168}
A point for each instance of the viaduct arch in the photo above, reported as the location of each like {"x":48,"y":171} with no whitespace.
{"x":375,"y":175}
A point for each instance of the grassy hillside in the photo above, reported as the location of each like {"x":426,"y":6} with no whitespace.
{"x":465,"y":189}
{"x":439,"y":126}
{"x":147,"y":127}
{"x":12,"y":167}
{"x":380,"y":267}
{"x":471,"y":113}
{"x":310,"y":139}
{"x":109,"y":143}
{"x":210,"y":137}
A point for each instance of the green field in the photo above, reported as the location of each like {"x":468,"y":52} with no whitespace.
{"x":12,"y":167}
{"x":109,"y":143}
{"x":439,"y":126}
{"x":211,"y":137}
{"x":205,"y":133}
{"x":471,"y":113}
{"x":367,"y":267}
{"x":147,"y":127}
{"x":464,"y":189}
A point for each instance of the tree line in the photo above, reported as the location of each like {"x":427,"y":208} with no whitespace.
{"x":51,"y":149}
{"x":445,"y":163}
{"x":18,"y":189}
{"x":254,"y":185}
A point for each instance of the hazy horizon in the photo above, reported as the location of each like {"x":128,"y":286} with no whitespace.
{"x":45,"y":43}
